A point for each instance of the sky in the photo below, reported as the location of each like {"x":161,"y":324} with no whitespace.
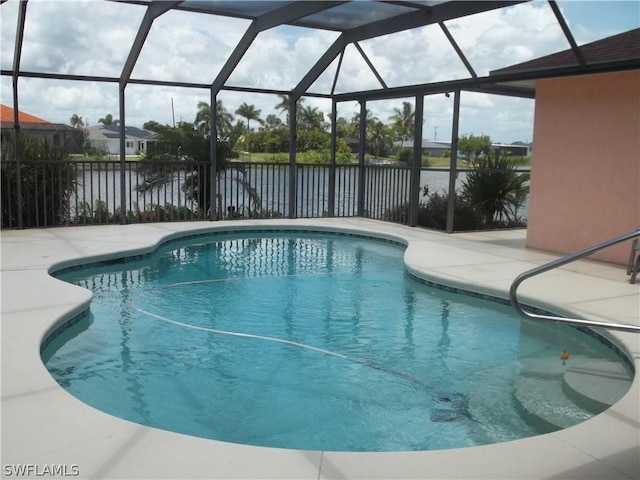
{"x":93,"y":37}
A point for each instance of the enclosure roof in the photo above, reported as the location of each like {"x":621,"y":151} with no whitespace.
{"x":338,"y":16}
{"x":352,"y":22}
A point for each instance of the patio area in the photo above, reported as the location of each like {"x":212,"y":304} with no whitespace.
{"x":43,"y":425}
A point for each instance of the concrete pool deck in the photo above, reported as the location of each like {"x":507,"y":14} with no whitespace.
{"x":43,"y":425}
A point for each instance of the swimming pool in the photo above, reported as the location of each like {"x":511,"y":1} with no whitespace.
{"x":253,"y":339}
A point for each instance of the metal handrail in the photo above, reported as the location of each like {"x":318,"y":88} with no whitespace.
{"x":563,"y":261}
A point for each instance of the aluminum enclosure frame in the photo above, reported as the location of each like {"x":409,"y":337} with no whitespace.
{"x":309,"y":14}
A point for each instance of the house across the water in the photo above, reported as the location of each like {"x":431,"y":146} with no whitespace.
{"x":58,"y":134}
{"x":106,"y":139}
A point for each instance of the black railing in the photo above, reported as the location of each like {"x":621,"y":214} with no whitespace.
{"x":91,"y":192}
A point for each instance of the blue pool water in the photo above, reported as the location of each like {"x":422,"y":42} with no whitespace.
{"x":303,"y":340}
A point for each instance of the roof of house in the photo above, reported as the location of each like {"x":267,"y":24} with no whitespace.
{"x":623,"y":46}
{"x":106,"y":132}
{"x":38,"y":127}
{"x":6,"y":115}
{"x":425,"y":144}
{"x":28,"y":122}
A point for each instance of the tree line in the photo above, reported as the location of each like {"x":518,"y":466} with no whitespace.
{"x":313,"y":130}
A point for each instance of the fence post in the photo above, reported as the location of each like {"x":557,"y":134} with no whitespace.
{"x":416,"y":164}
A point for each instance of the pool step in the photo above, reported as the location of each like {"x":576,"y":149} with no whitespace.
{"x":559,"y":396}
{"x":495,"y":414}
{"x":540,"y":397}
{"x":596,"y":385}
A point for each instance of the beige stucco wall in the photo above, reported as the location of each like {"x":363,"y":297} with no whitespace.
{"x":585,"y":169}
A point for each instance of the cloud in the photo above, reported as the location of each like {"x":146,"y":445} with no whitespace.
{"x":80,"y":37}
{"x":187,"y":47}
{"x":500,"y":38}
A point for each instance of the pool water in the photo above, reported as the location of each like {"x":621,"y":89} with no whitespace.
{"x":303,"y":340}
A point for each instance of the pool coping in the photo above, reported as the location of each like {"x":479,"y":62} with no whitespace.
{"x":43,"y":425}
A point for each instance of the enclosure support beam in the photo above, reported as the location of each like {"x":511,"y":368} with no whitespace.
{"x":362,"y":144}
{"x":335,"y":78}
{"x":368,"y":62}
{"x":288,"y":13}
{"x":453,"y":162}
{"x":567,"y":33}
{"x":332,"y":167}
{"x":123,"y":154}
{"x":232,"y":62}
{"x":214,"y":213}
{"x":154,"y":10}
{"x":293,"y":168}
{"x":440,"y":13}
{"x":416,"y":164}
{"x":458,"y":50}
{"x":17,"y":54}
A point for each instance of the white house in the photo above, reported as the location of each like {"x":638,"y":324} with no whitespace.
{"x":106,"y":139}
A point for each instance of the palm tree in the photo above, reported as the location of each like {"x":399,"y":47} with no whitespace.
{"x":403,"y":122}
{"x":224,"y":120}
{"x":285,"y":103}
{"x":250,"y":113}
{"x":378,"y":138}
{"x":186,"y":147}
{"x":495,"y":189}
{"x":76,"y":121}
{"x":311,"y":118}
{"x":272,"y":123}
{"x":109,"y":120}
{"x":346,"y":128}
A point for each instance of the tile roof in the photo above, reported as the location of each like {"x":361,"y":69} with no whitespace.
{"x":6,"y":115}
{"x":623,"y":46}
{"x":36,"y":126}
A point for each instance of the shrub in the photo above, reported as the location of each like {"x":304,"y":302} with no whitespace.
{"x":405,"y":155}
{"x":433,"y":213}
{"x":495,"y":190}
{"x":48,"y":179}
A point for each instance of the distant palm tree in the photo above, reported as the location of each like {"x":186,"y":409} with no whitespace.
{"x":224,"y":120}
{"x":109,"y":120}
{"x":403,"y":122}
{"x":272,"y":123}
{"x":378,"y":138}
{"x":311,"y":118}
{"x":76,"y":121}
{"x":368,"y":118}
{"x":346,"y":128}
{"x":285,"y":102}
{"x":250,"y":113}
